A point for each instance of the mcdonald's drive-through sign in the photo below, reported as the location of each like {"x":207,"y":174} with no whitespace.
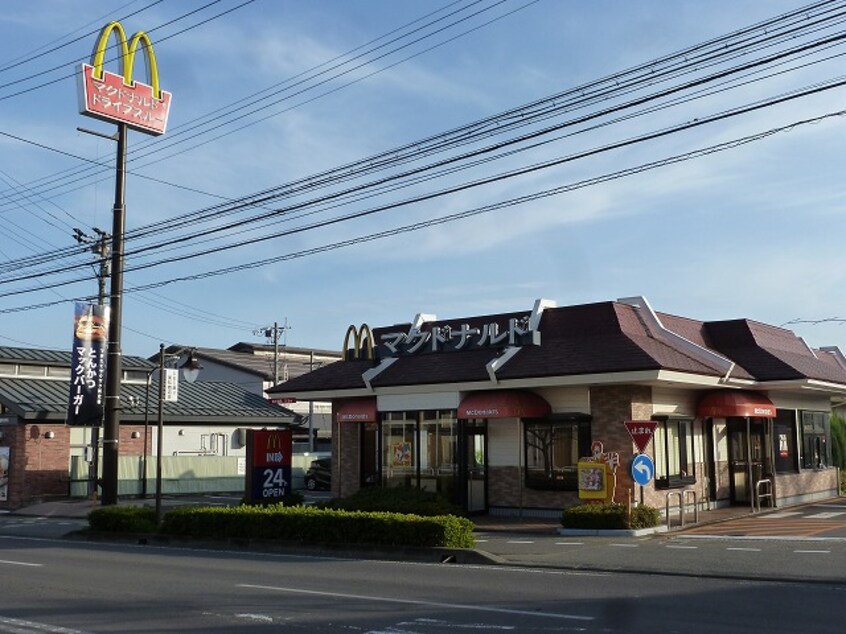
{"x":268,"y":465}
{"x":118,"y":98}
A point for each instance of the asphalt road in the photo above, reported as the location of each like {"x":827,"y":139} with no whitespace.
{"x":62,"y":587}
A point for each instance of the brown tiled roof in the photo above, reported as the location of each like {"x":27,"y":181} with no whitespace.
{"x":770,"y":353}
{"x":341,"y":375}
{"x":598,"y":338}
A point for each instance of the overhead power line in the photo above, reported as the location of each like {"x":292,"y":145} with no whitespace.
{"x":512,"y":202}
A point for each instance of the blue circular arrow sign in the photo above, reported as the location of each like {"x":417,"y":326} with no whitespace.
{"x":643,"y":469}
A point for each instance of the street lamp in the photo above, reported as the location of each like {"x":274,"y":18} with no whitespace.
{"x":190,"y":370}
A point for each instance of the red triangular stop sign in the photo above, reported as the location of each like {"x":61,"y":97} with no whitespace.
{"x":641,"y":432}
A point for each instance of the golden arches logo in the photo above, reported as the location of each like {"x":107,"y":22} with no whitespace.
{"x":118,"y":97}
{"x":127,"y":55}
{"x":362,"y":343}
{"x":274,"y":442}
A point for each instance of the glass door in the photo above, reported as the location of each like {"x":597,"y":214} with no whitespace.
{"x":473,"y":466}
{"x":747,"y":458}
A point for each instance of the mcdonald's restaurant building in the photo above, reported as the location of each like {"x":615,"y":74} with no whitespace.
{"x":497,"y":411}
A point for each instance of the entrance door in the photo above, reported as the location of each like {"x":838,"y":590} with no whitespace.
{"x":473,"y":441}
{"x":746,"y":458}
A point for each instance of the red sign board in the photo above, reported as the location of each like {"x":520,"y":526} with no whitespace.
{"x":111,"y":99}
{"x":119,"y":98}
{"x":268,"y":465}
{"x":641,"y":432}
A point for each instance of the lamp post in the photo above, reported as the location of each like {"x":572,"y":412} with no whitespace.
{"x":190,"y":369}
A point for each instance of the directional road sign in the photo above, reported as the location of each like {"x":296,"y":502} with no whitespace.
{"x":643,"y":469}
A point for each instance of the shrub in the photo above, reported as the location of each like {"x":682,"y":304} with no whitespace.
{"x":318,"y":526}
{"x":123,"y":519}
{"x":609,"y":517}
{"x":396,"y":500}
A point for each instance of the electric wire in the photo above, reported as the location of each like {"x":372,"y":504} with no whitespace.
{"x":720,"y":74}
{"x":697,"y":153}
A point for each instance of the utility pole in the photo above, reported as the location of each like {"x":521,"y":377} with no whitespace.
{"x":273,"y":333}
{"x":102,"y":269}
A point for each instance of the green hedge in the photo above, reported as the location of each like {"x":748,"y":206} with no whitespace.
{"x":396,"y":500}
{"x":610,"y":517}
{"x":123,"y":519}
{"x":318,"y":526}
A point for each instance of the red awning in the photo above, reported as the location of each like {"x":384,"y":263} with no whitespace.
{"x":362,"y":411}
{"x":503,"y":404}
{"x":726,"y":403}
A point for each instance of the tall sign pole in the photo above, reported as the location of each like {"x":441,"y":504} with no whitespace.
{"x":114,"y":366}
{"x":120,"y":99}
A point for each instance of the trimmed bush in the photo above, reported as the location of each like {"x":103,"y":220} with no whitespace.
{"x":319,"y":526}
{"x":396,"y":500}
{"x":123,"y":519}
{"x":610,"y":517}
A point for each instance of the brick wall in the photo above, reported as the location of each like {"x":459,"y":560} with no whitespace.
{"x":610,"y":406}
{"x":504,"y":490}
{"x":346,"y":452}
{"x":38,"y":465}
{"x":130,"y":446}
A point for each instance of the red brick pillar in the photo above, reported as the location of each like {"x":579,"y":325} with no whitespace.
{"x":610,"y":406}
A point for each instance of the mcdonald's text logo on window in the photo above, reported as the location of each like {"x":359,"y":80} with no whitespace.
{"x":118,"y":98}
{"x":362,"y":343}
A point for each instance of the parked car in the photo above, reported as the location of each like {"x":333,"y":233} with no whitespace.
{"x":319,"y":474}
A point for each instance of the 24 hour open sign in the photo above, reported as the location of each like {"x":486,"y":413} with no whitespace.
{"x":269,"y":465}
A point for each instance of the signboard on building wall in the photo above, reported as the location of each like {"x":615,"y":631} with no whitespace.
{"x":268,"y":465}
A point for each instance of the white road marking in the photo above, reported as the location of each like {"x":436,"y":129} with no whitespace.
{"x":624,"y":545}
{"x":569,"y":543}
{"x":437,"y":604}
{"x":256,"y":617}
{"x":821,"y":552}
{"x":825,"y":516}
{"x":520,"y":541}
{"x":19,"y":626}
{"x":20,"y":563}
{"x":680,"y":547}
{"x":750,"y":550}
{"x":780,"y":515}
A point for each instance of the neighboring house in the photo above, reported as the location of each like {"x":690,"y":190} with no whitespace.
{"x":511,"y":413}
{"x":40,"y":456}
{"x":257,"y":368}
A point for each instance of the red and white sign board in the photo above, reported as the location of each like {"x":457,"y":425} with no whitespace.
{"x":110,"y":98}
{"x":641,"y":432}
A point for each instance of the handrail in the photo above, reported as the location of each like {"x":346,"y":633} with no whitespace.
{"x":667,"y":508}
{"x":682,"y":495}
{"x":695,"y":504}
{"x":758,"y":494}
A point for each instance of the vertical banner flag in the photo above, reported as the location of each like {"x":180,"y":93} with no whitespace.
{"x":88,"y":364}
{"x":269,"y":465}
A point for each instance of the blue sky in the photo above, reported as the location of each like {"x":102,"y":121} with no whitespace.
{"x":754,"y":231}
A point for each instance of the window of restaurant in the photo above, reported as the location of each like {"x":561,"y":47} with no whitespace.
{"x":785,"y":449}
{"x":418,"y":449}
{"x":674,"y":458}
{"x":553,"y":448}
{"x":816,"y":453}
